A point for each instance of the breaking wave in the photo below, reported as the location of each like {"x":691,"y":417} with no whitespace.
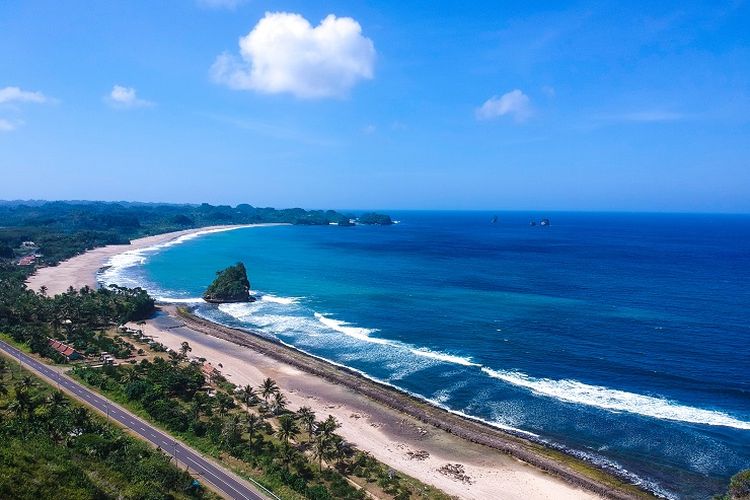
{"x":573,"y":391}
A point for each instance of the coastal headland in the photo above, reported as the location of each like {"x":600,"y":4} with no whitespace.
{"x":461,"y":456}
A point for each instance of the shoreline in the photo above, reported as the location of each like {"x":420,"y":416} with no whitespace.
{"x":81,"y":270}
{"x":380,"y":419}
{"x":463,"y":427}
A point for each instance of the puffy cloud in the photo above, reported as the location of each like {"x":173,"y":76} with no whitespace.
{"x":514,"y":103}
{"x":221,"y":4}
{"x":125,"y":97}
{"x":6,"y":126}
{"x":285,"y":53}
{"x":15,"y":94}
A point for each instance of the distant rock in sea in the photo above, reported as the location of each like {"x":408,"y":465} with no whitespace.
{"x":544,"y":222}
{"x":230,"y":285}
{"x":532,"y":223}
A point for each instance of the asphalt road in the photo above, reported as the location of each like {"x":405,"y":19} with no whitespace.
{"x":220,"y":478}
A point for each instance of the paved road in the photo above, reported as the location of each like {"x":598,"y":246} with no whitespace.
{"x":220,"y":478}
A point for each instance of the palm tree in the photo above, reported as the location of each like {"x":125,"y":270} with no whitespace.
{"x":279,"y":403}
{"x":320,"y":449}
{"x":23,"y":404}
{"x":81,"y":420}
{"x":249,"y":396}
{"x":324,"y":438}
{"x":224,"y":402}
{"x":25,"y":384}
{"x":57,"y":401}
{"x":184,"y":349}
{"x":268,"y":389}
{"x":230,"y":432}
{"x":288,"y":429}
{"x":340,"y":449}
{"x":328,"y":426}
{"x":201,"y":405}
{"x":307,"y":418}
{"x":130,"y":376}
{"x":253,"y":425}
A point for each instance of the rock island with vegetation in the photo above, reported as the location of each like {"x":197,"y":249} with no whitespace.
{"x":230,"y":285}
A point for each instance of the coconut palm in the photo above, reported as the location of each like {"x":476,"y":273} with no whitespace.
{"x":230,"y":432}
{"x":288,"y":429}
{"x":253,"y":426}
{"x":201,"y":405}
{"x":279,"y":403}
{"x":340,"y":450}
{"x":22,"y":404}
{"x":81,"y":420}
{"x":320,"y":449}
{"x":323,"y":445}
{"x":307,"y":418}
{"x":130,"y":376}
{"x":224,"y":402}
{"x":268,"y":389}
{"x":26,"y":383}
{"x":328,"y":426}
{"x":56,"y":402}
{"x":248,"y":395}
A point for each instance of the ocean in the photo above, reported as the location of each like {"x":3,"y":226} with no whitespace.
{"x":622,"y":338}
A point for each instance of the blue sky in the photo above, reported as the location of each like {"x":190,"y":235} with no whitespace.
{"x":388,"y":104}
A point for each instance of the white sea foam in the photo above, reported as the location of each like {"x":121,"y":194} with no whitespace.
{"x":573,"y":391}
{"x":352,"y":331}
{"x":239,"y":310}
{"x":279,"y":300}
{"x":440,"y":356}
{"x":180,"y":300}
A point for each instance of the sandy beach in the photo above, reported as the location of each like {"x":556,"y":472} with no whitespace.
{"x":391,"y":436}
{"x":368,"y":412}
{"x":81,"y":270}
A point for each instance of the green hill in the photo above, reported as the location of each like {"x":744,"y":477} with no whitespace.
{"x":230,"y":285}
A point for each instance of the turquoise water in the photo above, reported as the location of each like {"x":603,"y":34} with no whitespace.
{"x":622,"y":338}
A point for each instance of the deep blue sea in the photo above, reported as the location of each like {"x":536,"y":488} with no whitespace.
{"x":623,"y":337}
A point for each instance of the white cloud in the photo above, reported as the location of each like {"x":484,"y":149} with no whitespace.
{"x":221,"y":4}
{"x":369,"y":129}
{"x":514,"y":103}
{"x":285,"y":53}
{"x":15,"y":94}
{"x":6,"y":126}
{"x":125,"y":97}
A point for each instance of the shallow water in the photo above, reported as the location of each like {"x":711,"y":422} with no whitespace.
{"x":622,"y":337}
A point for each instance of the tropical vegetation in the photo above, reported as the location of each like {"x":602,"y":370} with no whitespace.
{"x":53,"y":447}
{"x":294,"y":453}
{"x":230,"y":285}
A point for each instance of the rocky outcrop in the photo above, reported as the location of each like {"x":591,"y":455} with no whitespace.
{"x":230,"y":285}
